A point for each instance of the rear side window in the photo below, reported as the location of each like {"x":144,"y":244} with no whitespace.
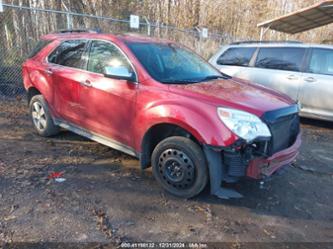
{"x":40,"y":45}
{"x":321,"y":61}
{"x":70,"y":54}
{"x":236,"y":56}
{"x":280,"y":58}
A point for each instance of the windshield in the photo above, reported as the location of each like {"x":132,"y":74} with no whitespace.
{"x":169,"y":63}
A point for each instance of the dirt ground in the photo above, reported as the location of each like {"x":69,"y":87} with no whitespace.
{"x":106,"y":198}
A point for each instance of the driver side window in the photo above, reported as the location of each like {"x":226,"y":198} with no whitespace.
{"x":103,"y":54}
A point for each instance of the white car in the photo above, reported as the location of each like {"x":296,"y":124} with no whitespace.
{"x":302,"y":71}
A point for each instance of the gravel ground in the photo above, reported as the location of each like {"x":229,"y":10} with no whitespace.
{"x":106,"y":198}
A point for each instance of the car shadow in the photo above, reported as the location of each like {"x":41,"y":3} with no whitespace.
{"x":317,"y":123}
{"x":69,"y":136}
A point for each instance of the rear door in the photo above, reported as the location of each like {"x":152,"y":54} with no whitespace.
{"x":317,"y":91}
{"x":65,"y":63}
{"x":279,"y":68}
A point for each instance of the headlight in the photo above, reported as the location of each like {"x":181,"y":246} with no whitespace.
{"x":243,"y":124}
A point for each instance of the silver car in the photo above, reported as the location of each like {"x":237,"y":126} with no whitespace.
{"x":302,"y":71}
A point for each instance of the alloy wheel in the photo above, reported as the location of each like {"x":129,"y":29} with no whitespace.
{"x":38,"y":116}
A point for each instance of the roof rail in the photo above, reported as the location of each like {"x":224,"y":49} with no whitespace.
{"x":265,"y":42}
{"x":63,"y":31}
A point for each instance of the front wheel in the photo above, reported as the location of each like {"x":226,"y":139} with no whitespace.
{"x":179,"y":165}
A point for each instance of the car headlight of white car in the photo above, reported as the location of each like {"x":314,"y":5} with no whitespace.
{"x":245,"y":125}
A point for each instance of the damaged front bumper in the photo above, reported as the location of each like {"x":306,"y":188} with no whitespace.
{"x":245,"y":160}
{"x":263,"y":167}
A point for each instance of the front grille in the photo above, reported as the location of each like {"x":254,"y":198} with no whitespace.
{"x":284,"y":127}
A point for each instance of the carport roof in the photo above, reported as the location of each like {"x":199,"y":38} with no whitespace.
{"x":308,"y":18}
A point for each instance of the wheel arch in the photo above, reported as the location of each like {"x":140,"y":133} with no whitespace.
{"x":156,"y":134}
{"x":32,"y":91}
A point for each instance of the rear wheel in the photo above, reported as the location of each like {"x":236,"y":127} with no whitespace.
{"x":41,"y":117}
{"x":180,"y":167}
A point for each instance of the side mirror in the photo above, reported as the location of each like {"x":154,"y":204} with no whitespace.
{"x":119,"y":72}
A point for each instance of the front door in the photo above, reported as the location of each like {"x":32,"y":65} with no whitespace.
{"x":108,"y":103}
{"x":279,"y":68}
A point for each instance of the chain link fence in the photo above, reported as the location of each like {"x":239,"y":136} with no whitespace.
{"x":22,"y":26}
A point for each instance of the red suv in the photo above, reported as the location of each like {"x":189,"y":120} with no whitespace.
{"x":162,"y":103}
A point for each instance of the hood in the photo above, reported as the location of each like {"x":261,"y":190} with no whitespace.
{"x":235,"y":93}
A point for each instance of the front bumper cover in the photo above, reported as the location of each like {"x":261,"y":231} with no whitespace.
{"x":254,"y":166}
{"x":263,"y":167}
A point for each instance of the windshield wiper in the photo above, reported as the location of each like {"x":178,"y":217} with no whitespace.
{"x":214,"y":77}
{"x":180,"y":81}
{"x":191,"y":81}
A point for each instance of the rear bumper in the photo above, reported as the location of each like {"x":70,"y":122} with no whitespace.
{"x":262,"y":167}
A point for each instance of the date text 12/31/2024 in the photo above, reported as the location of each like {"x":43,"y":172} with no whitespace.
{"x":162,"y":245}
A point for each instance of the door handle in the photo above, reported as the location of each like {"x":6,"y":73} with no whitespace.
{"x":48,"y":71}
{"x":310,"y":79}
{"x":86,"y":83}
{"x":292,"y":77}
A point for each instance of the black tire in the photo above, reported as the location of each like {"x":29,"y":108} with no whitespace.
{"x":180,"y":167}
{"x":47,"y":127}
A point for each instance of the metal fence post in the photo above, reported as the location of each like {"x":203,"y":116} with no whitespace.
{"x":199,"y":33}
{"x":69,"y":21}
{"x":148,"y":25}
